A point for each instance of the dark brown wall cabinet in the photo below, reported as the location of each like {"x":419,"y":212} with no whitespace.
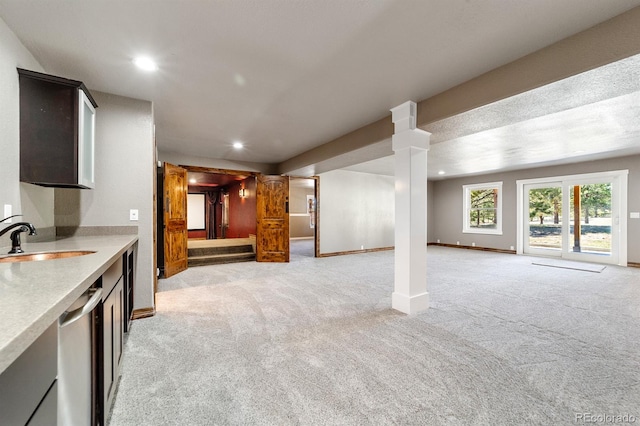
{"x":57,"y":131}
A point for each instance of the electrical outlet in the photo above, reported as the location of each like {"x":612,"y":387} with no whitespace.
{"x":632,"y":215}
{"x":438,"y":241}
{"x":7,"y":213}
{"x":473,"y":244}
{"x":361,"y":247}
{"x":457,"y":243}
{"x":512,"y":248}
{"x":133,"y":214}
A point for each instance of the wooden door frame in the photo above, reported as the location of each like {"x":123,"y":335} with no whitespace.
{"x":213,"y":170}
{"x":316,"y":194}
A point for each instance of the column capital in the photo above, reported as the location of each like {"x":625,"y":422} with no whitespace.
{"x":404,"y":116}
{"x":406,"y":135}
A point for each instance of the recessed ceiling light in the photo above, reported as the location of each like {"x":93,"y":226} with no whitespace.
{"x":441,"y":172}
{"x":238,"y":145}
{"x":239,"y":79}
{"x":192,"y":180}
{"x":145,"y":63}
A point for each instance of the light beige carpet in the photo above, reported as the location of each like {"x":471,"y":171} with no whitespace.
{"x":314,"y":342}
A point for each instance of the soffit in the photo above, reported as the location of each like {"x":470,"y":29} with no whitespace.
{"x":590,"y":116}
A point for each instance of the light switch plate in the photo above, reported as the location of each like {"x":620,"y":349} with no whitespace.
{"x":7,"y":212}
{"x":634,"y":215}
{"x":133,"y":214}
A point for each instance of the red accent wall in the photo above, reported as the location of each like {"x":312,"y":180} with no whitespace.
{"x":197,"y":234}
{"x":242,"y":211}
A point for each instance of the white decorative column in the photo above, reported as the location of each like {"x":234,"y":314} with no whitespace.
{"x":410,"y":146}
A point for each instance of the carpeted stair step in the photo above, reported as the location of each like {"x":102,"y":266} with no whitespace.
{"x":221,"y":258}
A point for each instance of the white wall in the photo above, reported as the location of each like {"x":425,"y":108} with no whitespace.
{"x":355,"y":209}
{"x":34,"y":202}
{"x":125,"y":179}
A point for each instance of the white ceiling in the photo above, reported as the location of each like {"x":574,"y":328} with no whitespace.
{"x":285,"y":76}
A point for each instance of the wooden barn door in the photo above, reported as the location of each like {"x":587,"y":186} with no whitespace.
{"x":175,"y":219}
{"x":272,"y":239}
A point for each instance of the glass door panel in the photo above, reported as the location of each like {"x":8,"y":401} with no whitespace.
{"x":543,"y":230}
{"x":590,"y":220}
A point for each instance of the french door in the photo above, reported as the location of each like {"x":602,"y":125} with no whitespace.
{"x":579,"y":217}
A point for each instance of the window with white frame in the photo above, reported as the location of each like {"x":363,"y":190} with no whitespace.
{"x":483,"y":208}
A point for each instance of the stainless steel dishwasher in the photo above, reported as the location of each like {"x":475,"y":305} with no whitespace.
{"x":78,"y":338}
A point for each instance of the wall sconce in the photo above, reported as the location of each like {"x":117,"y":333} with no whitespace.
{"x":242,"y":193}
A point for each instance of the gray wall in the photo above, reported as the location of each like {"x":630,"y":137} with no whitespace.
{"x":125,"y":179}
{"x":125,"y":170}
{"x":34,"y":202}
{"x":355,"y":209}
{"x":446,"y":209}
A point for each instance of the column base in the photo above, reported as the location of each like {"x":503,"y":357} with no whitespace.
{"x":410,"y":304}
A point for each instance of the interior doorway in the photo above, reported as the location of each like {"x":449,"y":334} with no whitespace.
{"x":223,"y":211}
{"x":303,"y":217}
{"x":221,"y":216}
{"x":577,"y":217}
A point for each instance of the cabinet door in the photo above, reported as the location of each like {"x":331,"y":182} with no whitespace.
{"x":47,"y":410}
{"x":129,"y":278}
{"x":113,"y":339}
{"x":86,"y":141}
{"x":119,"y":324}
{"x":48,"y":113}
{"x":27,"y":380}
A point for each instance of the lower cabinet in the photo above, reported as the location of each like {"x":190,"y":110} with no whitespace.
{"x":113,"y":340}
{"x":112,"y":332}
{"x":28,"y":386}
{"x":47,"y":410}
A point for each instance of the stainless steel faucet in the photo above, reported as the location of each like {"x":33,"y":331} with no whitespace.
{"x":18,"y":227}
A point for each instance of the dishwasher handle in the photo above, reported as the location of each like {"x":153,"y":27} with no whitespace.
{"x":76,"y":314}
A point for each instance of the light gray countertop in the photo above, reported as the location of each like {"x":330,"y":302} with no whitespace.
{"x":34,"y":294}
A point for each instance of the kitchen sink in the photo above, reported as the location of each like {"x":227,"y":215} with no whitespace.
{"x":49,"y":255}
